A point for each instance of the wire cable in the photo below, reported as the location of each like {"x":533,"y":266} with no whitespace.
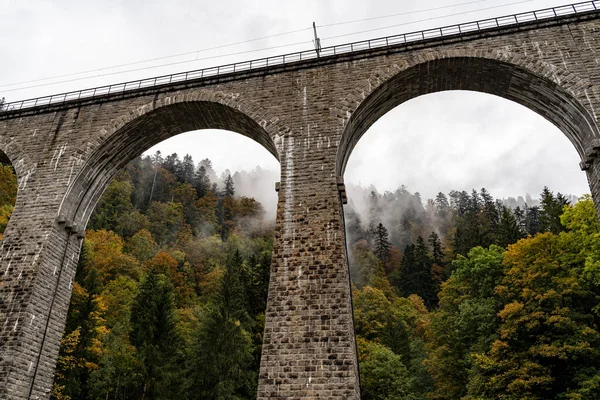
{"x":248,"y":51}
{"x":157,"y":58}
{"x":231,"y":45}
{"x":401,"y":14}
{"x":153,"y":67}
{"x":427,"y":19}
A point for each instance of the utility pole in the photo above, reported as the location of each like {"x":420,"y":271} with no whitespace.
{"x":317,"y":40}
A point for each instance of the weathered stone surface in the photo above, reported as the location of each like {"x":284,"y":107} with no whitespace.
{"x":309,"y":115}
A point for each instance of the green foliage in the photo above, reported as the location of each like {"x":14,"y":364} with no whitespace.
{"x":153,"y":322}
{"x":170,"y":294}
{"x":161,"y":307}
{"x":383,"y":375}
{"x":466,"y":321}
{"x":220,"y":359}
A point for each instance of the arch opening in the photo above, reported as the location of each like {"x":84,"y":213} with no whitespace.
{"x":509,"y":81}
{"x":144,"y":132}
{"x":169,"y":231}
{"x":430,"y":258}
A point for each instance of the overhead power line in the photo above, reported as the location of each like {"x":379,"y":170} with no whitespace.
{"x":154,"y":66}
{"x":426,"y":19}
{"x":401,"y":14}
{"x":197,"y":52}
{"x":161,"y":58}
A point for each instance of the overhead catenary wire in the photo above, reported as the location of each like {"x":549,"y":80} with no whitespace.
{"x":401,"y":14}
{"x":154,"y":66}
{"x":159,"y":58}
{"x":198,"y":51}
{"x":248,"y":51}
{"x":426,"y":19}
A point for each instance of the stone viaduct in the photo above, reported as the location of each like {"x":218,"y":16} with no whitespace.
{"x":309,"y":114}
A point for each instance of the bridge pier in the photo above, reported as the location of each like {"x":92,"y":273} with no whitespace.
{"x":309,"y":348}
{"x":309,"y":113}
{"x":38,"y":265}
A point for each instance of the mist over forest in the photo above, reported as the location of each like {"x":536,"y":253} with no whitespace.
{"x":462,"y":296}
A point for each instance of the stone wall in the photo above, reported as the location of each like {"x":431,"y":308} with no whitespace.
{"x":310,"y":116}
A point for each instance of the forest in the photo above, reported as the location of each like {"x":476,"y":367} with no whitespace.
{"x":463,"y":296}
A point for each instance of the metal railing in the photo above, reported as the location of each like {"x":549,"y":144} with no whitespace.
{"x":396,"y":40}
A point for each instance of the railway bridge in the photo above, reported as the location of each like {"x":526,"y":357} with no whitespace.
{"x":309,"y":110}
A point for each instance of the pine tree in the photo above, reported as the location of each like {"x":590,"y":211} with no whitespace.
{"x":153,"y":322}
{"x":381,"y":244}
{"x":490,"y":217}
{"x":171,"y":163}
{"x":226,"y":207}
{"x":551,"y":210}
{"x":201,"y":181}
{"x":220,"y":358}
{"x":508,"y":228}
{"x":437,"y":253}
{"x":185,"y":170}
{"x":532,"y":220}
{"x":425,"y":285}
{"x":415,"y":275}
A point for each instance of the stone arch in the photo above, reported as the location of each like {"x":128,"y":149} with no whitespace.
{"x":136,"y":130}
{"x":20,"y":161}
{"x":552,"y":92}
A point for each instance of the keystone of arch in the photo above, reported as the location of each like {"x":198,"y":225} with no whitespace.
{"x":576,"y":87}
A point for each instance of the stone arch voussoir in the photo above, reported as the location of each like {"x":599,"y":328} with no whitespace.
{"x":579,"y":88}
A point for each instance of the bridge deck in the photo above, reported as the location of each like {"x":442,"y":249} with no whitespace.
{"x":526,"y":20}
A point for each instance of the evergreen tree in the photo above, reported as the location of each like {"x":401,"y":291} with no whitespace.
{"x":415,"y":275}
{"x":171,"y":163}
{"x":153,"y":322}
{"x":532,"y":220}
{"x":222,"y":353}
{"x":185,"y":170}
{"x":382,"y":246}
{"x":201,"y":181}
{"x":508,"y":228}
{"x":489,"y":220}
{"x":551,"y":210}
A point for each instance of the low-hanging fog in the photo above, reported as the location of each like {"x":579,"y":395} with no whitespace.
{"x":453,"y":140}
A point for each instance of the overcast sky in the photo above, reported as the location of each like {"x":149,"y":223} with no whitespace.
{"x":438,"y":142}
